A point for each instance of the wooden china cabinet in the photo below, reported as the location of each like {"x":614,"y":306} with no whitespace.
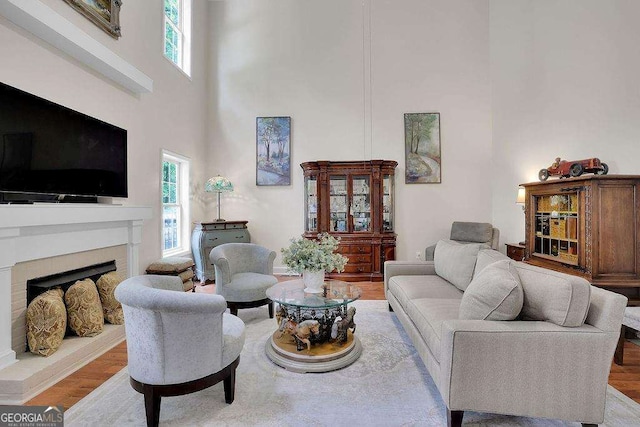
{"x":353,"y":200}
{"x":587,"y":226}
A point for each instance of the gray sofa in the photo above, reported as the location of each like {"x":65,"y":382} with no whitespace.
{"x":552,"y":361}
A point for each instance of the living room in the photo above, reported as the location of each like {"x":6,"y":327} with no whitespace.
{"x":516,"y":83}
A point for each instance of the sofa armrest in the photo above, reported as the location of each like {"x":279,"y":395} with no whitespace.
{"x":429,"y":253}
{"x":406,"y":268}
{"x":528,"y":368}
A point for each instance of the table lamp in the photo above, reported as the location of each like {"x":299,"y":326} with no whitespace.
{"x":218,"y":184}
{"x":521,"y":197}
{"x":520,"y":200}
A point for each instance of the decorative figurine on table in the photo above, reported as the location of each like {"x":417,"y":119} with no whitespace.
{"x":564,"y":168}
{"x":341,"y":326}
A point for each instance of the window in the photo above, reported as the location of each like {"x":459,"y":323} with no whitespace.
{"x":175,"y":204}
{"x":177,"y":33}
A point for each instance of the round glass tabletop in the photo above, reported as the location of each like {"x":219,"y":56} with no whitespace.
{"x":334,"y":293}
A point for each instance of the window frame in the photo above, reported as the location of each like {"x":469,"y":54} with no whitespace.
{"x":184,"y":36}
{"x":184,"y":211}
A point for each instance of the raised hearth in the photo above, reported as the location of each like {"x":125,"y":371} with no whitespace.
{"x":32,"y":238}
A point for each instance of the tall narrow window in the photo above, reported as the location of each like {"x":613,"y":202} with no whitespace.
{"x":175,"y":204}
{"x":177,"y":33}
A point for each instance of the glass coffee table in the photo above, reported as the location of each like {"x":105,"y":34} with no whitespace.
{"x":315,"y":331}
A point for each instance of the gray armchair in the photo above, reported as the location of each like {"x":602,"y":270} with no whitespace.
{"x":244,"y":272}
{"x":177,"y":342}
{"x":470,"y":232}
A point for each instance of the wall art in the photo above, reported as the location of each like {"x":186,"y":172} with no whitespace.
{"x":422,"y":148}
{"x":104,"y":13}
{"x":273,"y":148}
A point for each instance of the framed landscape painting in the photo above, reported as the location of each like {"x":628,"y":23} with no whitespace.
{"x":422,"y":148}
{"x":104,"y":13}
{"x":273,"y":148}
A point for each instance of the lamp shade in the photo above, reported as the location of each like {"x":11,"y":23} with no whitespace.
{"x":218,"y":184}
{"x":521,"y":195}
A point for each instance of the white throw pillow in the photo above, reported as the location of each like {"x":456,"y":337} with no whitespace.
{"x":455,"y":261}
{"x":494,"y":294}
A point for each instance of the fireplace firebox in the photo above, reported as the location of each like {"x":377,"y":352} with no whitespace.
{"x":67,"y":278}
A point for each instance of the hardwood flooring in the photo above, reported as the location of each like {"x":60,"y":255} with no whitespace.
{"x":73,"y":388}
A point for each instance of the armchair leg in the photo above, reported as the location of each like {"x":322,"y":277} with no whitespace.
{"x":454,"y":418}
{"x":271,"y":309}
{"x":390,"y":308}
{"x":618,"y":356}
{"x":233,"y":309}
{"x":589,"y":425}
{"x":230,"y":387}
{"x":152,"y":406}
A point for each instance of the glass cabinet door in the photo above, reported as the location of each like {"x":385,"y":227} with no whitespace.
{"x":361,"y":203}
{"x":387,"y":203}
{"x":556,"y":227}
{"x":311,"y":208}
{"x":338,"y":203}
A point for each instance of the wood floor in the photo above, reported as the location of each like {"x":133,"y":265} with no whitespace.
{"x":77,"y":385}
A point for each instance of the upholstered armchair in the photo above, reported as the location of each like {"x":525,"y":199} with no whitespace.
{"x":177,"y":342}
{"x":469,"y":232}
{"x":244,"y":272}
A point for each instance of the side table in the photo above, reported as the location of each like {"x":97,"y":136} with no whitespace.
{"x":208,"y":235}
{"x":515,"y":251}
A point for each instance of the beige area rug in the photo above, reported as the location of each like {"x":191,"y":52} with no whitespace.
{"x":387,"y":386}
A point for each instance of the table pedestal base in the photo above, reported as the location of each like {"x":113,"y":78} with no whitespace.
{"x":320,"y":358}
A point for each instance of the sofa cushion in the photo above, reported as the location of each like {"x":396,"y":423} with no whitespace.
{"x":487,"y":257}
{"x":84,"y":309}
{"x":407,"y":288}
{"x":552,"y":296}
{"x":494,"y":294}
{"x":428,"y":314}
{"x":455,"y":261}
{"x":480,"y":232}
{"x":46,"y":322}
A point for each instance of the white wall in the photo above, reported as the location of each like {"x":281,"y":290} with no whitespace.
{"x":564,"y":83}
{"x":172,"y":117}
{"x":346,"y":71}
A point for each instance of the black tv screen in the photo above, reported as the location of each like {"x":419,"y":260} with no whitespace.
{"x":50,"y":149}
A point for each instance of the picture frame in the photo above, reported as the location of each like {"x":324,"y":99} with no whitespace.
{"x":104,"y":13}
{"x":273,"y":151}
{"x":422,"y":148}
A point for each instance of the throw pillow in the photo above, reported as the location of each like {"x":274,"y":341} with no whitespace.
{"x":455,"y":261}
{"x":111,"y":308}
{"x":84,"y":308}
{"x":46,"y":322}
{"x":495,"y":294}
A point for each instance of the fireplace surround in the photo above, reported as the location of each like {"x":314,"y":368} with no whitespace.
{"x":36,"y":238}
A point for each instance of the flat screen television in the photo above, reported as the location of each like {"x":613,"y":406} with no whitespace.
{"x":48,"y":149}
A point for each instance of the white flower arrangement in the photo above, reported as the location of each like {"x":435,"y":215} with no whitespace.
{"x":314,"y":255}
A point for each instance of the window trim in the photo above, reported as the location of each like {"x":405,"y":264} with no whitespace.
{"x":184,"y":237}
{"x":184,"y":30}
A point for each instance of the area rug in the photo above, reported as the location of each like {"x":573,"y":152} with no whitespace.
{"x":387,"y":386}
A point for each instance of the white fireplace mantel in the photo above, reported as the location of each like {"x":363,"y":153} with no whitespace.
{"x":29,"y":232}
